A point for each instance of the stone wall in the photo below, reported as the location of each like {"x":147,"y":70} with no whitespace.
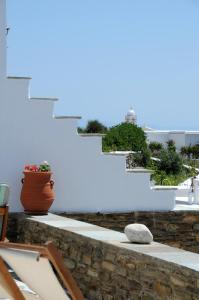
{"x":175,"y":228}
{"x":111,"y":270}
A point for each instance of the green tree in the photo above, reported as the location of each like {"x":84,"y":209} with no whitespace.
{"x":139,"y":159}
{"x":155,"y":146}
{"x":183,"y":151}
{"x":171,"y":146}
{"x":125,"y":137}
{"x":80,"y":130}
{"x":93,"y":126}
{"x":170,"y":162}
{"x":195,"y":151}
{"x":190,"y":151}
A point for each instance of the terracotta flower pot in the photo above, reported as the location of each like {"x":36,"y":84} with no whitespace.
{"x":37,"y":193}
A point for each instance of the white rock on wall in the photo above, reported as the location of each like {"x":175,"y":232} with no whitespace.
{"x":138,"y":233}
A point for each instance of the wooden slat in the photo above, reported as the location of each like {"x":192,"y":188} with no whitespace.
{"x":65,"y":275}
{"x":8,"y":281}
{"x":40,"y":249}
{"x":5,"y":223}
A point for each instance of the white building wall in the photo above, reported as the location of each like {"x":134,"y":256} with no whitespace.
{"x":181,"y":138}
{"x":2,"y":39}
{"x":86,"y":180}
{"x":178,"y":138}
{"x":192,"y":139}
{"x":155,"y":136}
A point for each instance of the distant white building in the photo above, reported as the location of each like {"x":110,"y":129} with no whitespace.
{"x":182,"y":138}
{"x":131,"y":116}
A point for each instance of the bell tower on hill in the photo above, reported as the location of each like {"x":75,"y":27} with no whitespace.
{"x":3,"y":33}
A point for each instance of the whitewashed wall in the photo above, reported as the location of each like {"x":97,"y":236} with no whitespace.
{"x":2,"y":39}
{"x":156,"y":136}
{"x":181,"y":138}
{"x":85,"y":179}
{"x":178,"y":137}
{"x":192,"y":138}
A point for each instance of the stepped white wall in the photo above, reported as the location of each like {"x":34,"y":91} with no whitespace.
{"x":85,"y":179}
{"x":2,"y":39}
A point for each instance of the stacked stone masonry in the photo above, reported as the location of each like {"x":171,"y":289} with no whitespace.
{"x":107,"y":272}
{"x":175,"y":228}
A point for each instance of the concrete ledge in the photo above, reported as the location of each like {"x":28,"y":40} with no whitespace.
{"x":17,"y":77}
{"x":67,"y":117}
{"x":43,"y":99}
{"x":91,"y":134}
{"x":164,"y":188}
{"x":139,"y":170}
{"x":119,"y":153}
{"x":156,"y":250}
{"x":178,"y":228}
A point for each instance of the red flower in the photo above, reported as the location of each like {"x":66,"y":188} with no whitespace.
{"x":32,"y":168}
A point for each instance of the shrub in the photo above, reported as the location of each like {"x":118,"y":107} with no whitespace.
{"x":190,"y":151}
{"x":185,"y":151}
{"x":170,"y":162}
{"x":171,"y":146}
{"x":80,"y":130}
{"x":139,"y":159}
{"x":155,"y":146}
{"x":93,"y":126}
{"x":195,"y":151}
{"x":161,"y":178}
{"x":125,"y":137}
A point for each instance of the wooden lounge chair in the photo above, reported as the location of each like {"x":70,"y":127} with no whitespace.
{"x":4,"y":221}
{"x":39,"y":268}
{"x":4,"y":194}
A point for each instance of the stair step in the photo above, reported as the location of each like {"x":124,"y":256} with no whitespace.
{"x":44,"y":98}
{"x":17,"y":77}
{"x":67,"y":117}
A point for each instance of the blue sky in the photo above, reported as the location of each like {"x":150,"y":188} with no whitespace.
{"x":102,"y":56}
